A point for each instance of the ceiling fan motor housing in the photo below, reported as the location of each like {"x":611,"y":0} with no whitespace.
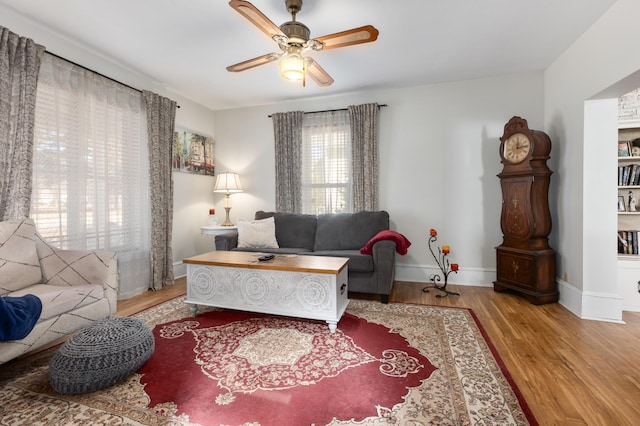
{"x":297,"y":32}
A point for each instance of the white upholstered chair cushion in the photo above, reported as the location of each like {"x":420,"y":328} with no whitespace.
{"x":57,"y":300}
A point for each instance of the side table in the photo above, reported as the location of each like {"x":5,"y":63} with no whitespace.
{"x":215,"y":230}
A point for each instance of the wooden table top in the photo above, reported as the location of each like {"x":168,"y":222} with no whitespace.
{"x":282,"y":262}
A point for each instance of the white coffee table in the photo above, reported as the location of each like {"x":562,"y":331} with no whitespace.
{"x":313,"y":287}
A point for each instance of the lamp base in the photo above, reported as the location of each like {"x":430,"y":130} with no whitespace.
{"x":227,"y":221}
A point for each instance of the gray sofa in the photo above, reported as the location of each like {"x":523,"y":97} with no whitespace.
{"x":340,"y":235}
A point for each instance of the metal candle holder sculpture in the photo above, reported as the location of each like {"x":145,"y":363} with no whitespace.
{"x":443,"y":264}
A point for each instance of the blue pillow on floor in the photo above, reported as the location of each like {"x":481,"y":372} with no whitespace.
{"x":18,"y":316}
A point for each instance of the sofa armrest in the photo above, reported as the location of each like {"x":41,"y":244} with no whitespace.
{"x":76,"y":267}
{"x":227,"y":241}
{"x":384,"y":261}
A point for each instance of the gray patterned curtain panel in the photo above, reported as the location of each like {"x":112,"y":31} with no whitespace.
{"x":19,"y":66}
{"x":287,"y":131}
{"x":161,"y":114}
{"x":364,"y":152}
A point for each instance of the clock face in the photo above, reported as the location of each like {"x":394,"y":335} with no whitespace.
{"x":516,"y":148}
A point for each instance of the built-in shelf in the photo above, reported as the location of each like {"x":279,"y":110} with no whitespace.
{"x":629,"y":221}
{"x":628,"y":124}
{"x":633,"y":257}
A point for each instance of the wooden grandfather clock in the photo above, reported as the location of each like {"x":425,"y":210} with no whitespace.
{"x":525,"y":262}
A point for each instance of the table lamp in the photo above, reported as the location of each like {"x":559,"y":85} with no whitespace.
{"x":227,"y":183}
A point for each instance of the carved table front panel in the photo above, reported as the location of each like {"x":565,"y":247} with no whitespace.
{"x":310,"y":295}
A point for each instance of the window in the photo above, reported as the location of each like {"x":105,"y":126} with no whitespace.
{"x":326,"y":163}
{"x":90,"y":168}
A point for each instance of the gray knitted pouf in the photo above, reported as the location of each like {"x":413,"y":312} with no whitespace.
{"x":101,"y":355}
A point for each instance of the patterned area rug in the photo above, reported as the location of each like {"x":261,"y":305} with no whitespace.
{"x":395,"y":364}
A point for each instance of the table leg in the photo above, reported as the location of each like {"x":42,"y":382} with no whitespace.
{"x":193,"y":308}
{"x":333,"y":326}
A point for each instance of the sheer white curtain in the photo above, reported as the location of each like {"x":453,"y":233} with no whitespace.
{"x":90,"y":168}
{"x":326,"y":163}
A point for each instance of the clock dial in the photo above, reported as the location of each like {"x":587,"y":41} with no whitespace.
{"x":516,"y":148}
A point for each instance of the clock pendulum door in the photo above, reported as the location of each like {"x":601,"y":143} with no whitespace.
{"x":524,"y":261}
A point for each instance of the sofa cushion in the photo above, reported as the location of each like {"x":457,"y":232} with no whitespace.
{"x":348,"y":231}
{"x":57,"y":300}
{"x":19,"y":264}
{"x":257,"y":233}
{"x":357,"y":262}
{"x":293,"y":230}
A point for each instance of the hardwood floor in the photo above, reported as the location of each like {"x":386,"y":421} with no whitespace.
{"x":570,"y":371}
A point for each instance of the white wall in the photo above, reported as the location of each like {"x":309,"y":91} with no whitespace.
{"x":438,"y":163}
{"x":192,"y":197}
{"x":597,"y":66}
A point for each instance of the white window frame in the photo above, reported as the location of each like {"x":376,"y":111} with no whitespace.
{"x":327,"y":173}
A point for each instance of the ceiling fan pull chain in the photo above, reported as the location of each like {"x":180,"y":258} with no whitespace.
{"x":304,"y":73}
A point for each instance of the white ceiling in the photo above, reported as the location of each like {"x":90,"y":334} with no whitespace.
{"x":185,"y":45}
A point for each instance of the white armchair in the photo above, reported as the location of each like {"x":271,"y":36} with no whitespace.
{"x":76,"y":287}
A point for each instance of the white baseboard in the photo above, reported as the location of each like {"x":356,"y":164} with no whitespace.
{"x":466,"y":276}
{"x":179,"y":270}
{"x":585,"y":305}
{"x":570,"y":297}
{"x":602,"y":307}
{"x":606,"y":307}
{"x":630,"y":308}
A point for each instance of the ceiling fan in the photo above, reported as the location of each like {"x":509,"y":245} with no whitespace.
{"x":293,"y":39}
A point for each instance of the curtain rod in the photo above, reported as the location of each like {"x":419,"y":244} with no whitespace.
{"x":96,"y":72}
{"x":330,"y":110}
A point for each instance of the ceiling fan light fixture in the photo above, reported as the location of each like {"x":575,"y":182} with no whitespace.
{"x":292,"y":67}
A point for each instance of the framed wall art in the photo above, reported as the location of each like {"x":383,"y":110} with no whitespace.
{"x":193,"y":153}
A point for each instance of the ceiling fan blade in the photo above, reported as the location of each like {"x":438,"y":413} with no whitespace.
{"x":318,"y":74}
{"x":256,"y":17}
{"x":250,"y":63}
{"x":359,"y":35}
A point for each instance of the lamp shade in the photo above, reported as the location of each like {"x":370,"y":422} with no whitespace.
{"x":292,"y":67}
{"x":227,"y":182}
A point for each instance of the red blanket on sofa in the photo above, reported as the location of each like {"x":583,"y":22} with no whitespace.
{"x":402,"y":244}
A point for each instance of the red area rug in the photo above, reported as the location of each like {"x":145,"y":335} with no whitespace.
{"x":394,"y":364}
{"x":237,"y":367}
